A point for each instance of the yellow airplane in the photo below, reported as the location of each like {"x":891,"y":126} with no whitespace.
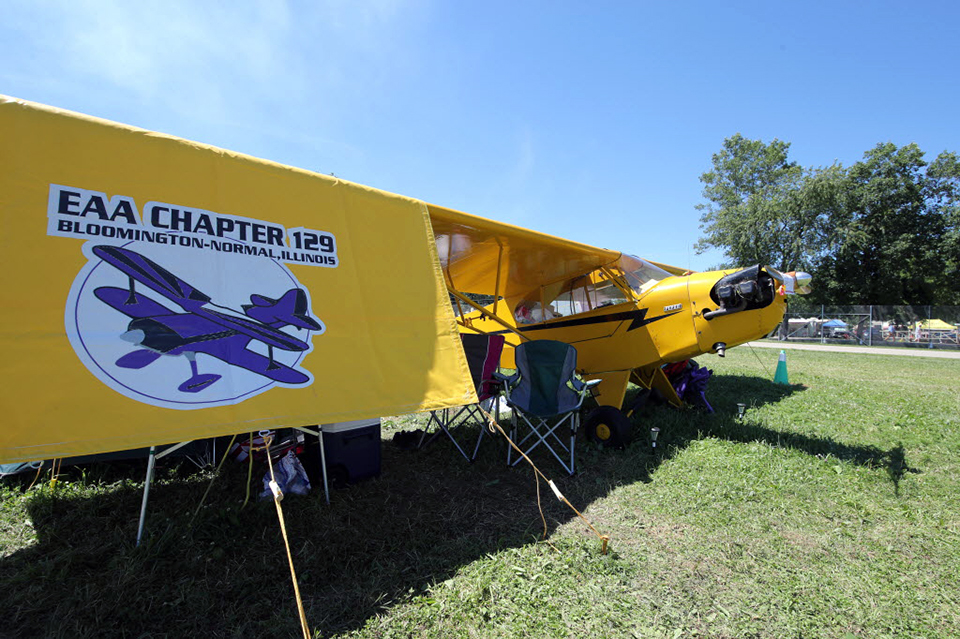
{"x":626,"y":316}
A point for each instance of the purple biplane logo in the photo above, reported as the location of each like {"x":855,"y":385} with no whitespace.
{"x":133,"y":341}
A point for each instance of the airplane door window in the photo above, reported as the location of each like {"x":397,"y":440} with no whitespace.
{"x":588,"y":292}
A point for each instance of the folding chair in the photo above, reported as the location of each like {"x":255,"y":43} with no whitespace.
{"x":545,"y":394}
{"x":483,"y":358}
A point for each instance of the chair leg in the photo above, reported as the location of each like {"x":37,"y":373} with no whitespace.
{"x":476,"y":449}
{"x":574,"y":424}
{"x":455,"y":443}
{"x":484,"y":425}
{"x":543,"y":432}
{"x":476,"y":413}
{"x":433,"y":419}
{"x":442,"y":427}
{"x":513,"y":438}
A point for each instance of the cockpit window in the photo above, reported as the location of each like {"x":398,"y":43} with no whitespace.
{"x":641,"y":275}
{"x":587,"y":292}
{"x":603,"y":287}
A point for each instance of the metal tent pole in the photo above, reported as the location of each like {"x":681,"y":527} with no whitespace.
{"x":323,"y":458}
{"x":151,"y":462}
{"x":323,"y":465}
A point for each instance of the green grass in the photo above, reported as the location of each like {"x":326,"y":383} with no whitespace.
{"x":831,"y":510}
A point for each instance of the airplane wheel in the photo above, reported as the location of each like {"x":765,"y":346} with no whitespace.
{"x":608,"y":425}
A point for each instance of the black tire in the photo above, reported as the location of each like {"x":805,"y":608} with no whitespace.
{"x":608,"y":425}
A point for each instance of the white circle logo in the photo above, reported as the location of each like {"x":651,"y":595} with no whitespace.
{"x":187,"y":328}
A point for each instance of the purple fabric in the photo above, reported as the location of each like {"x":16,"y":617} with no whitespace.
{"x":691,"y":383}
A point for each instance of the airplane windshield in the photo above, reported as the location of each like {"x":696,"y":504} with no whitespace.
{"x":603,"y":287}
{"x":640,"y":274}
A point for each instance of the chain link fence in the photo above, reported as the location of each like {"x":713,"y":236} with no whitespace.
{"x":900,"y":326}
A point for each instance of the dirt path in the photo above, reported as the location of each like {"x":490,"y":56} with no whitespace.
{"x":869,"y":350}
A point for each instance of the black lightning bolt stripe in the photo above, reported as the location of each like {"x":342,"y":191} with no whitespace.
{"x":638,"y":317}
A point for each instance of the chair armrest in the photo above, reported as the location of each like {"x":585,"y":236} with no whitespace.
{"x":491,"y":386}
{"x":584,"y":388}
{"x":506,"y":383}
{"x":581,"y":386}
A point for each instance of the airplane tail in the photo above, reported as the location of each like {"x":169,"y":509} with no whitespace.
{"x":290,"y":310}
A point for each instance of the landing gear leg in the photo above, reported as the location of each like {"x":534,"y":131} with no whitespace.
{"x":608,"y":425}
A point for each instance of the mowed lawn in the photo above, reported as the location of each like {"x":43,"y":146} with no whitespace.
{"x":831,"y":510}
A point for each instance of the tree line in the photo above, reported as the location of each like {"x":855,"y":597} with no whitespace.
{"x":885,"y":230}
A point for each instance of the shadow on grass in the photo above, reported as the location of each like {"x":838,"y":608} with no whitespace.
{"x":379,"y":543}
{"x":724,"y":392}
{"x":897,"y":466}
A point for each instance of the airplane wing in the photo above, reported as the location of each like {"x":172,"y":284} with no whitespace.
{"x":152,"y":275}
{"x":162,"y":281}
{"x":133,"y":305}
{"x":260,"y":332}
{"x":233,"y":350}
{"x":673,"y":270}
{"x":470,"y":249}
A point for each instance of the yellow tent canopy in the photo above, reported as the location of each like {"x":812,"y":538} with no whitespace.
{"x":934,"y":325}
{"x":159,"y":290}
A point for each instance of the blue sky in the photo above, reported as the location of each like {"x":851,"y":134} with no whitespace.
{"x":591,"y":121}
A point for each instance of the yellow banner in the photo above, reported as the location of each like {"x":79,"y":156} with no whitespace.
{"x":158,"y":290}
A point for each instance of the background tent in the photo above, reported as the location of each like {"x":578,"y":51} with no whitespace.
{"x":835,"y":323}
{"x":935,"y":325}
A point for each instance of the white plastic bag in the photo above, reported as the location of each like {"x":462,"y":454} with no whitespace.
{"x":290,"y":476}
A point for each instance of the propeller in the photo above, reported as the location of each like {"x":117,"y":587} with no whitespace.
{"x":792,"y":283}
{"x":800,"y":282}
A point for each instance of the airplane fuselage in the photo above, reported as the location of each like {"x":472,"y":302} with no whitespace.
{"x":170,"y":334}
{"x":679,"y":318}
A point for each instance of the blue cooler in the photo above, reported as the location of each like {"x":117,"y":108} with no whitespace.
{"x":352,"y":450}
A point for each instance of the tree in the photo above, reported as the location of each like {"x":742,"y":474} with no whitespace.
{"x":764,"y":209}
{"x":890,"y":235}
{"x":943,"y":195}
{"x":884,"y":231}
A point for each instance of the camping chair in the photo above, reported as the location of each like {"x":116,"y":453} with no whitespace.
{"x":483,"y":358}
{"x":545,"y":394}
